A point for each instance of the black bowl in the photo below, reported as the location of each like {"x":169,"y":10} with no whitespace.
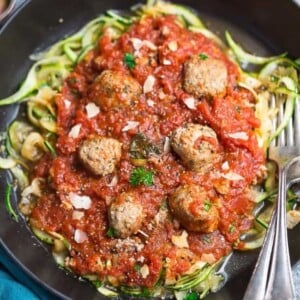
{"x":263,"y":26}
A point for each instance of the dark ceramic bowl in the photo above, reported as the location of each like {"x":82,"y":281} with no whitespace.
{"x":263,"y":26}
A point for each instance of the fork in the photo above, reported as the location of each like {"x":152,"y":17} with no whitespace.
{"x":272,"y":276}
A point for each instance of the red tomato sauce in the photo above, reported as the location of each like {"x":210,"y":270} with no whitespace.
{"x":110,"y":257}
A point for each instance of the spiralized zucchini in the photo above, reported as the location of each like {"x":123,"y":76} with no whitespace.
{"x":28,"y":141}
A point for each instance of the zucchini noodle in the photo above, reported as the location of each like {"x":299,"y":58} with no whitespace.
{"x":28,"y":141}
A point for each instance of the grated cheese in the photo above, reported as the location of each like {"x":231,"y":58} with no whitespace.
{"x":225,"y":166}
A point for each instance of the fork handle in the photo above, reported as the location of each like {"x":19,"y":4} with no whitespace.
{"x":280,"y":285}
{"x":258,"y":282}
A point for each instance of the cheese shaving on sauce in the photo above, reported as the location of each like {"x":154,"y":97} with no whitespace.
{"x":80,"y":202}
{"x":190,"y":102}
{"x":180,"y":240}
{"x":173,"y":46}
{"x":92,"y":110}
{"x":130,"y":125}
{"x":232,"y":176}
{"x":74,"y":132}
{"x":239,"y":135}
{"x":67,"y":103}
{"x":77,"y":215}
{"x":150,"y":102}
{"x":149,"y":84}
{"x":144,"y":271}
{"x":80,"y":236}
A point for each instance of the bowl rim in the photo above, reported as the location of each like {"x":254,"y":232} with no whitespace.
{"x":9,"y":8}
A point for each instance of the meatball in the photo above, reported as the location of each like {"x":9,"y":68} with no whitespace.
{"x":126,"y":215}
{"x":191,"y":206}
{"x":100,"y":154}
{"x":197,"y":146}
{"x":113,"y":89}
{"x":205,"y":77}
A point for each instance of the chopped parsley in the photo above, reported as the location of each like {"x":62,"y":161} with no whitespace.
{"x":207,"y":205}
{"x":191,"y":296}
{"x":136,"y":267}
{"x":111,"y":232}
{"x":203,"y":56}
{"x":141,"y":176}
{"x":129,"y":60}
{"x":231,"y":228}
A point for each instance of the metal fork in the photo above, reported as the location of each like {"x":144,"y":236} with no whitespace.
{"x":272,"y":277}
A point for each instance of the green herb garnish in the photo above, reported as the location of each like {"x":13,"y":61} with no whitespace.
{"x":207,"y":205}
{"x":203,"y":56}
{"x":191,"y":296}
{"x":129,"y":60}
{"x":8,"y":203}
{"x":111,"y":232}
{"x":136,"y":267}
{"x":231,"y":228}
{"x":141,"y":176}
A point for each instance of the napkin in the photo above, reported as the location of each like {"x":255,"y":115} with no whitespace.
{"x":15,"y":284}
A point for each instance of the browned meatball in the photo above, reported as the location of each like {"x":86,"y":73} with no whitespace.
{"x":204,"y":77}
{"x":197,"y":146}
{"x":126,"y":215}
{"x":100,"y":154}
{"x":113,"y":89}
{"x":192,"y":207}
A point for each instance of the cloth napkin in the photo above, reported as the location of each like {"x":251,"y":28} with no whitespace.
{"x":15,"y":284}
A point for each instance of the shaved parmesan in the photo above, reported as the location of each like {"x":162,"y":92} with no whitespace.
{"x":80,"y":236}
{"x":114,"y":181}
{"x":173,"y":46}
{"x":181,"y":240}
{"x":232,"y":176}
{"x":166,"y":62}
{"x":144,"y":271}
{"x":149,"y":84}
{"x":239,"y":135}
{"x":190,"y":102}
{"x":293,"y":218}
{"x":77,"y":215}
{"x":150,"y":45}
{"x":196,"y":266}
{"x":150,"y":102}
{"x":67,"y":103}
{"x":167,"y":146}
{"x":130,"y":125}
{"x":208,"y":257}
{"x":225,"y":166}
{"x":136,"y":43}
{"x":92,"y":110}
{"x":80,"y":202}
{"x":75,"y":130}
